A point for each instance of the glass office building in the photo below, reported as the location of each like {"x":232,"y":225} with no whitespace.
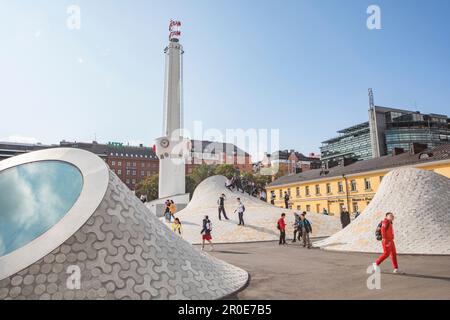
{"x":353,"y":142}
{"x":404,"y":129}
{"x":391,"y":128}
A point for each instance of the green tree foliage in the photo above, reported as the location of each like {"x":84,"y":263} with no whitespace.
{"x":149,"y":187}
{"x":226,"y":170}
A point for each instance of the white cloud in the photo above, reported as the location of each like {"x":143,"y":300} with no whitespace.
{"x":80,"y":60}
{"x":37,"y":34}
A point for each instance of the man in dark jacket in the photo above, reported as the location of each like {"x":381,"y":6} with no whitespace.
{"x":221,"y":203}
{"x":345,"y":217}
{"x":286,"y":199}
{"x":297,"y":228}
{"x":306,"y":228}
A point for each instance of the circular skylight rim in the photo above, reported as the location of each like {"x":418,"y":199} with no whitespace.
{"x":95,"y":175}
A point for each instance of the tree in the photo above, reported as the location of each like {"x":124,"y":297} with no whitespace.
{"x":202,"y":172}
{"x":149,"y":187}
{"x":190,"y":185}
{"x":226,"y":170}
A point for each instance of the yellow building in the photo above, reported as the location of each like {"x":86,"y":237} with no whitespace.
{"x":352,"y":186}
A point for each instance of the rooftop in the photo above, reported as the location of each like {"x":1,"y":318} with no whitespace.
{"x":439,"y":153}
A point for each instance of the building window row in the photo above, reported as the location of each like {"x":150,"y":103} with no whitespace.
{"x":329,"y":189}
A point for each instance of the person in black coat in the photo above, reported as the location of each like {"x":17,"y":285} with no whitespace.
{"x":221,"y":203}
{"x":345,"y":218}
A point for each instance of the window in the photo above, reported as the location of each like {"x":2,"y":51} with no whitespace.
{"x":128,"y":164}
{"x":353,"y":186}
{"x":134,"y":164}
{"x":113,"y":163}
{"x":133,"y":181}
{"x":299,"y":208}
{"x":148,"y":173}
{"x":307,"y":191}
{"x":340,"y":187}
{"x":128,"y":172}
{"x":297,"y":191}
{"x":281,"y":194}
{"x":134,"y":172}
{"x":308,"y":208}
{"x":355,"y":207}
{"x":289,"y":192}
{"x":142,"y":173}
{"x":128,"y":181}
{"x":318,"y":208}
{"x":142,"y":165}
{"x":24,"y":214}
{"x":367,"y":184}
{"x":329,"y":188}
{"x":317,"y":189}
{"x":119,"y":163}
{"x":119,"y":172}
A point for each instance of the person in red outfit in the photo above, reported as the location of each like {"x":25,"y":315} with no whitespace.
{"x":282,"y":227}
{"x":387,"y":233}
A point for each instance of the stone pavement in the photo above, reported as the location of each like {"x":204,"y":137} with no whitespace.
{"x":420,"y":201}
{"x":292,"y":272}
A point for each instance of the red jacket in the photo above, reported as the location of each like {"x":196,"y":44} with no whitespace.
{"x":282,"y":224}
{"x":387,"y":230}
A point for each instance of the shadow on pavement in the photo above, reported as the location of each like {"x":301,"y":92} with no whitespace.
{"x":422,"y":276}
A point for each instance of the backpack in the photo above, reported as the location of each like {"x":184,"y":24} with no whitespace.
{"x":378,"y":233}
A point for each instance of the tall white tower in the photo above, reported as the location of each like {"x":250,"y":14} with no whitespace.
{"x":172,"y":148}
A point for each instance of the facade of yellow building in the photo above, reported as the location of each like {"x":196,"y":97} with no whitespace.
{"x":353,"y":186}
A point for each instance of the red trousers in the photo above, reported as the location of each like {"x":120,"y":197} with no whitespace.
{"x":388,"y":250}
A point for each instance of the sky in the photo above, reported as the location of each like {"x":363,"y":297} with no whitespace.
{"x":300,"y":66}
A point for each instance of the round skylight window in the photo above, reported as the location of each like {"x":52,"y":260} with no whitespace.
{"x":34,"y":197}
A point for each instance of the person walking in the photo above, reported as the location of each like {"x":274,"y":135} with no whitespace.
{"x":172,"y":209}
{"x":297,"y":228}
{"x":345,"y":217}
{"x":240,"y":211}
{"x":176,"y":226}
{"x":386,"y":228}
{"x":306,"y":229}
{"x":167,"y":214}
{"x":286,"y":199}
{"x":263,"y":195}
{"x":281,"y":225}
{"x":206,"y":233}
{"x":221,"y":203}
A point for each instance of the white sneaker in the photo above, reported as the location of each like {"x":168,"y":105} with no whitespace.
{"x":397,"y":271}
{"x":375,"y":266}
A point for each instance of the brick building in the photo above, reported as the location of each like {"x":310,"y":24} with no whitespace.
{"x":214,"y":153}
{"x":132,"y":164}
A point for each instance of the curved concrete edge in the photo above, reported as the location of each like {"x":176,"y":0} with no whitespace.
{"x":260,"y":217}
{"x":124,"y":252}
{"x":95,"y":182}
{"x":419,"y":199}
